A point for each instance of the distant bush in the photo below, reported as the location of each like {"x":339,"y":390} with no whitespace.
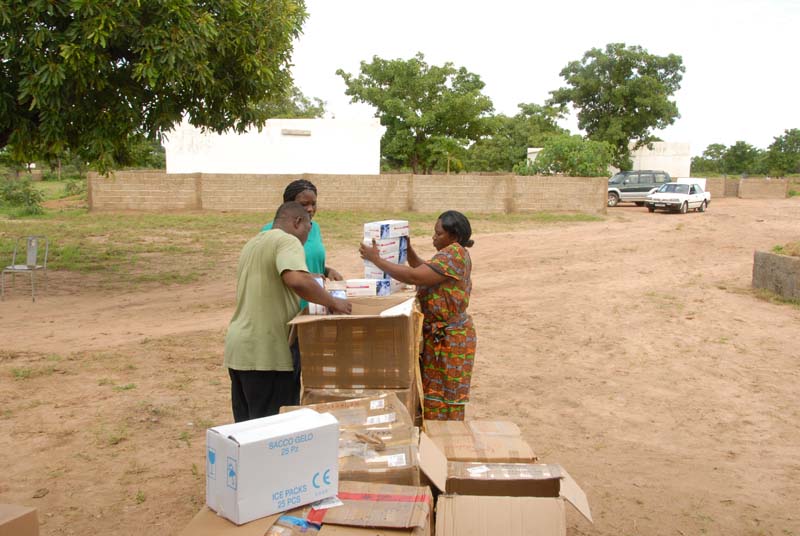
{"x":74,"y":187}
{"x":22,"y":194}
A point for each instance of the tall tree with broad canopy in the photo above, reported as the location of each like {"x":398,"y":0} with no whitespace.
{"x":510,"y":137}
{"x":426,"y":109}
{"x":783,"y":154}
{"x":89,"y":75}
{"x":621,"y":94}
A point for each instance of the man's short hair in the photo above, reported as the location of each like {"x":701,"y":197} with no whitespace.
{"x":291,"y":210}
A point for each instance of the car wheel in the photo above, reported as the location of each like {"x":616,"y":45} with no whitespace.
{"x":702,"y":207}
{"x":684,"y":207}
{"x":640,"y":203}
{"x":651,"y":209}
{"x":613,"y":199}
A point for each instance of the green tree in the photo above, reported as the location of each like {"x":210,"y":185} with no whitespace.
{"x":510,"y":137}
{"x":569,"y":155}
{"x":426,"y":109}
{"x":783,"y":155}
{"x":742,"y":158}
{"x":711,"y":159}
{"x":88,"y":76}
{"x":293,"y":104}
{"x":621,"y":94}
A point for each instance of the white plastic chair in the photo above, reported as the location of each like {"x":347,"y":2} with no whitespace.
{"x":33,"y":251}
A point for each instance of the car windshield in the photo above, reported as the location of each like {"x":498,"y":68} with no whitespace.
{"x":672,"y":188}
{"x":616,"y":179}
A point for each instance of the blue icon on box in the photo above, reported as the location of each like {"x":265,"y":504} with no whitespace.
{"x":211,"y":466}
{"x":231,"y":473}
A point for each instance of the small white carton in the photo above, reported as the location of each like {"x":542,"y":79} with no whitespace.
{"x":368,"y":287}
{"x":385,"y":229}
{"x":389,"y":246}
{"x":263,"y":466}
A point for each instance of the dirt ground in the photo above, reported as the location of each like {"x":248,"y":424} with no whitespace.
{"x":632,"y":351}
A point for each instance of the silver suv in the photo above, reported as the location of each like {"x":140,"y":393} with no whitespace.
{"x":634,"y":186}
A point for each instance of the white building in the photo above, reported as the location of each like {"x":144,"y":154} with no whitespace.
{"x":284,"y":146}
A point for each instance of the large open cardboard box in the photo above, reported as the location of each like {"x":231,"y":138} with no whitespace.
{"x":375,"y":347}
{"x":485,"y":499}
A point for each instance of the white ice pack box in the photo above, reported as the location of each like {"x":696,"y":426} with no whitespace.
{"x":368,"y":287}
{"x":385,"y":229}
{"x":389,"y":246}
{"x":264,"y":466}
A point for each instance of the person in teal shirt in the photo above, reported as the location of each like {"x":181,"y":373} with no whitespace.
{"x":304,"y":192}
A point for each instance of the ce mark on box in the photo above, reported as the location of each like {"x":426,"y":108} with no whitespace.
{"x":324,"y":477}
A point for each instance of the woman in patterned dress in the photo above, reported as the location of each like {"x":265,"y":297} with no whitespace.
{"x":444,"y":284}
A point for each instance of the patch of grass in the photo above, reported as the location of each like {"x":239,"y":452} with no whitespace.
{"x":793,"y":193}
{"x":105,"y":381}
{"x":128,"y":249}
{"x":24,"y":373}
{"x":116,"y":437}
{"x":195,"y":471}
{"x":140,"y":497}
{"x":185,"y":436}
{"x":771,"y":297}
{"x":792,"y":249}
{"x":126,"y":387}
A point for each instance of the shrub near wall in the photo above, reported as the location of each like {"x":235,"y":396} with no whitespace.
{"x":392,"y":193}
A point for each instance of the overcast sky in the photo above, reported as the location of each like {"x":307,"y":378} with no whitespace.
{"x":742,"y":77}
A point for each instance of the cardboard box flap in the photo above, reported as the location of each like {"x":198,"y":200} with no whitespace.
{"x":470,"y":428}
{"x":207,"y":523}
{"x":378,"y":505}
{"x":432,"y":462}
{"x":366,"y":307}
{"x":572,"y":492}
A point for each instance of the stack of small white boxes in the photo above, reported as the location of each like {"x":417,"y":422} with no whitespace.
{"x":391,"y":237}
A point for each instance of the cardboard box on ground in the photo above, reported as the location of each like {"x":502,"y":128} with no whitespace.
{"x":373,"y":348}
{"x":487,"y":498}
{"x":17,"y":520}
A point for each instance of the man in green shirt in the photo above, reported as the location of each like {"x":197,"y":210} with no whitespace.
{"x":271,"y":278}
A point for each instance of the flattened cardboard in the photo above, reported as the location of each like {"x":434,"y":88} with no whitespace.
{"x":17,"y":520}
{"x":207,"y":523}
{"x":377,"y":509}
{"x":464,"y":515}
{"x":374,"y":348}
{"x":490,"y":441}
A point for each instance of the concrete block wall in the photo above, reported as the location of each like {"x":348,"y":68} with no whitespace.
{"x":763,"y":188}
{"x":151,"y":190}
{"x":144,"y":190}
{"x":465,"y":193}
{"x":777,"y":273}
{"x":559,"y":194}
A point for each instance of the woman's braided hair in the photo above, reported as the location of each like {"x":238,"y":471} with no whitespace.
{"x":297,"y":187}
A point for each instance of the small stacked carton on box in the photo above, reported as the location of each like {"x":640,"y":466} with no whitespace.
{"x":263,"y":466}
{"x":391,"y":239}
{"x":486,"y":496}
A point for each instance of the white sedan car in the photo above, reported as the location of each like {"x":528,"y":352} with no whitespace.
{"x":678,"y":197}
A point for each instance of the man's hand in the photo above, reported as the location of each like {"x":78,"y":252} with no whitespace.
{"x":341,"y":307}
{"x":334,"y":275}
